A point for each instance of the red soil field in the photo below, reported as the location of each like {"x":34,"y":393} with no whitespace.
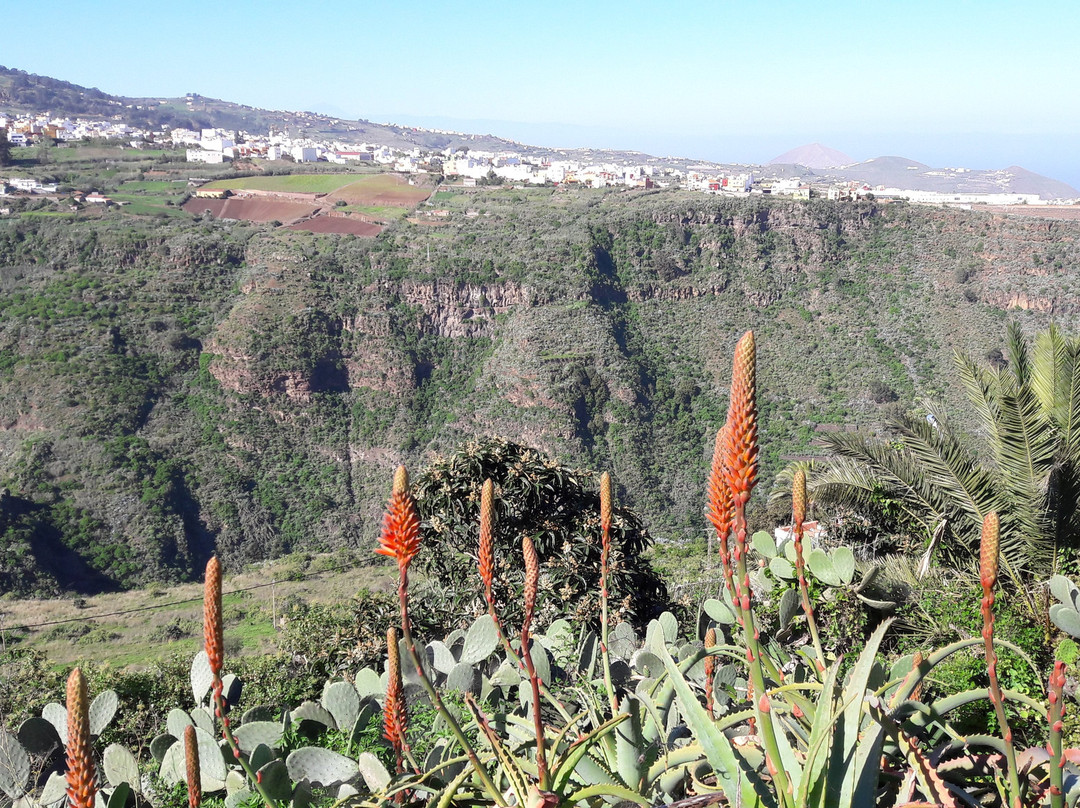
{"x":251,"y":210}
{"x":338,"y":224}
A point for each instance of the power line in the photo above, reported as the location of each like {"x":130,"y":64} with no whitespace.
{"x":84,"y":617}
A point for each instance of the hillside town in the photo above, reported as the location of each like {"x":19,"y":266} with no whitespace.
{"x":470,"y":167}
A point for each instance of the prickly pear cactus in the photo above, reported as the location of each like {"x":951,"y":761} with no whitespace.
{"x":14,"y":766}
{"x":320,"y":767}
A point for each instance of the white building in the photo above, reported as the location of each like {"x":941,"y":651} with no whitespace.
{"x":204,"y":156}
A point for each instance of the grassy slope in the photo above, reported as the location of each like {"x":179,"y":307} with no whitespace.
{"x":164,"y":620}
{"x":169,"y":388}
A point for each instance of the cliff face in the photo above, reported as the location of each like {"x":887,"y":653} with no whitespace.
{"x":177,"y":388}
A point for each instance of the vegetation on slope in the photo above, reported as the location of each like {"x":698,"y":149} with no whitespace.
{"x":168,"y":388}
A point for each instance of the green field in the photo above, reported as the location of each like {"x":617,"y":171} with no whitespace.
{"x":387,"y":213}
{"x":288,"y":183}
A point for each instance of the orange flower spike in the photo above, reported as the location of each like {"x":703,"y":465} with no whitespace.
{"x":486,"y":552}
{"x":605,"y":501}
{"x":798,"y":497}
{"x":212,"y":630}
{"x":400,"y":537}
{"x":532,"y":580}
{"x":741,"y":450}
{"x":194,"y":775}
{"x":988,"y":552}
{"x":81,"y":777}
{"x":394,"y":716}
{"x":719,"y":510}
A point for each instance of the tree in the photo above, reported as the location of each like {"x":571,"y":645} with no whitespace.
{"x":1027,"y":467}
{"x":559,"y":508}
{"x":5,"y":148}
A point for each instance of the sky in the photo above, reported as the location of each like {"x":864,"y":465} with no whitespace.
{"x":981,"y":84}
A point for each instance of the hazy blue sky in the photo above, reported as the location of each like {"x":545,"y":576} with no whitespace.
{"x":948,"y":82}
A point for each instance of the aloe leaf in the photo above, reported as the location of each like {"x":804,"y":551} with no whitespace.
{"x":629,"y":743}
{"x":813,"y":787}
{"x":588,"y":793}
{"x":857,"y":759}
{"x":737,"y":781}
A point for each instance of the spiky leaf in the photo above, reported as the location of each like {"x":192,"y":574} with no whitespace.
{"x":843,"y":561}
{"x":822,"y":568}
{"x":312,"y":711}
{"x":464,"y":678}
{"x":160,"y":745}
{"x":782,"y":568}
{"x":54,"y":793}
{"x":789,"y":606}
{"x":440,"y":657}
{"x":176,"y":721}
{"x":719,"y":611}
{"x":368,"y":683}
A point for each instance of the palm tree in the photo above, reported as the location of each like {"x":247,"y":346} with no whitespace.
{"x":1025,"y":463}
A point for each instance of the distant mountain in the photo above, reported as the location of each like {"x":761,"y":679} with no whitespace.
{"x":903,"y":172}
{"x":813,"y":156}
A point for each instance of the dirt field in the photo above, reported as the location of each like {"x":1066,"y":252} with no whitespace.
{"x":1066,"y":212}
{"x":389,"y":190}
{"x":251,"y":210}
{"x":336,"y":224}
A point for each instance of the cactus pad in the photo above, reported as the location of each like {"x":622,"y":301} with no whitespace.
{"x":320,"y":767}
{"x":120,"y":766}
{"x":250,"y":735}
{"x":201,"y":677}
{"x":14,"y":766}
{"x":38,"y":736}
{"x":56,"y":714}
{"x":341,"y":701}
{"x":480,"y":641}
{"x":103,"y":710}
{"x":374,"y":773}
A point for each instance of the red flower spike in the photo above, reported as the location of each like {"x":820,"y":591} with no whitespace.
{"x":400,"y":537}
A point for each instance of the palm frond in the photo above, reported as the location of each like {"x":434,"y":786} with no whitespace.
{"x":1048,"y":371}
{"x":1017,"y":351}
{"x":1068,"y":416}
